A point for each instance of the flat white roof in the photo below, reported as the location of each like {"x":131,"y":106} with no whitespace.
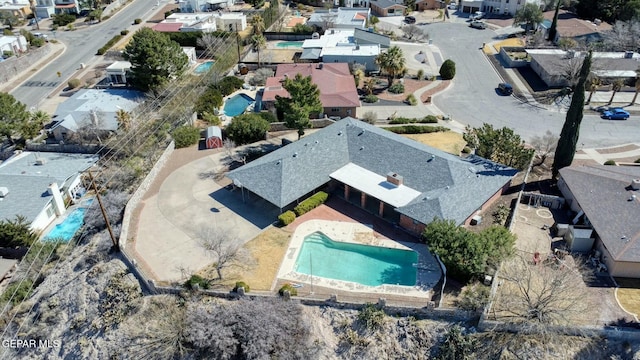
{"x":615,"y":73}
{"x":119,"y":65}
{"x":374,"y":185}
{"x":352,"y":50}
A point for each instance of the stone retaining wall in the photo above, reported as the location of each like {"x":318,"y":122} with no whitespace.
{"x":14,"y":66}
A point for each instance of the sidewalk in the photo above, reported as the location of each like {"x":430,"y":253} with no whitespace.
{"x":626,"y":153}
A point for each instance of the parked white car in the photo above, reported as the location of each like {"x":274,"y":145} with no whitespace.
{"x":477,"y":15}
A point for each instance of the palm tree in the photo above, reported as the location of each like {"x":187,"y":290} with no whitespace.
{"x":358,"y":75}
{"x":40,"y":117}
{"x":392,"y":62}
{"x":635,"y":96}
{"x":124,"y":119}
{"x":616,"y":86}
{"x":594,"y":82}
{"x":369,"y":85}
{"x":259,"y":42}
{"x":257,"y":23}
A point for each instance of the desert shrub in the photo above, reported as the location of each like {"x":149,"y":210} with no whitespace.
{"x":197,"y":280}
{"x":288,"y":287}
{"x":429,"y":119}
{"x":474,"y":297}
{"x":371,"y":316}
{"x":302,"y":29}
{"x":610,"y":162}
{"x":287,"y":217}
{"x":501,"y":214}
{"x":109,"y":44}
{"x":124,"y":32}
{"x":37,"y":42}
{"x":22,"y":290}
{"x":241,"y":284}
{"x":420,"y":74}
{"x":456,"y":345}
{"x":269,"y":116}
{"x":369,"y":117}
{"x":63,"y":19}
{"x":137,"y":21}
{"x":228,"y":85}
{"x":185,"y":136}
{"x":412,"y":100}
{"x":311,"y":203}
{"x":448,"y":69}
{"x":370,"y":99}
{"x":260,"y":77}
{"x":208,"y":102}
{"x":637,"y":161}
{"x":211,"y":119}
{"x":7,"y":54}
{"x":397,"y":88}
{"x":74,"y":83}
{"x":416,"y":129}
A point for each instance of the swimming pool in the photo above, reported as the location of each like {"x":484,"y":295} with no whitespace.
{"x":237,"y":104}
{"x":204,"y":67}
{"x":288,"y":44}
{"x":363,"y":264}
{"x":66,"y":229}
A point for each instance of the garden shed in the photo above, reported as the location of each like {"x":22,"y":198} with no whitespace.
{"x":213,"y":137}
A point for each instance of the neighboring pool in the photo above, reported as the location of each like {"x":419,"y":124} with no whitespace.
{"x":203,"y":68}
{"x":67,"y":228}
{"x":237,"y":104}
{"x":288,"y":44}
{"x":363,"y":264}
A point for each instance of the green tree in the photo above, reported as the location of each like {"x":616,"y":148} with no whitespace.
{"x":155,"y":60}
{"x":606,"y":10}
{"x":530,"y":14}
{"x":258,"y":41}
{"x":566,"y":148}
{"x":63,"y":19}
{"x":208,"y":102}
{"x":185,"y":136}
{"x":410,"y":4}
{"x":392,"y":62}
{"x":500,"y":145}
{"x":31,"y":128}
{"x":630,"y":11}
{"x":448,"y":70}
{"x":9,"y":20}
{"x":373,"y":20}
{"x":13,"y":115}
{"x":16,"y":232}
{"x":303,"y":100}
{"x":553,"y":30}
{"x":247,"y":128}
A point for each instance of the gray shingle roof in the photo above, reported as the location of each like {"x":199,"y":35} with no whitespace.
{"x":451,"y":187}
{"x":603,"y":194}
{"x":362,"y":37}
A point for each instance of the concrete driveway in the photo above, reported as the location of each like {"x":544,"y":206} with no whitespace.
{"x":188,"y":199}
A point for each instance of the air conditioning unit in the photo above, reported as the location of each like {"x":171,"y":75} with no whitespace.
{"x":3,"y":192}
{"x":41,"y":161}
{"x":635,"y":184}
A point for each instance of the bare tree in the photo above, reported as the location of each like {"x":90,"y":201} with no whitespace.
{"x":544,"y":146}
{"x":623,"y":36}
{"x":209,"y":43}
{"x":594,"y":83}
{"x":571,"y":70}
{"x":114,"y":203}
{"x":414,"y":32}
{"x":223,"y":245}
{"x":544,"y":294}
{"x":616,"y":86}
{"x":260,"y":76}
{"x":232,"y":153}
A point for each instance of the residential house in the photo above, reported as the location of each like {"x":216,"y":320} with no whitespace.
{"x":553,"y":65}
{"x":67,"y":7}
{"x":401,"y":180}
{"x":607,"y":198}
{"x":368,"y":37}
{"x":45,"y":8}
{"x":387,"y":8}
{"x":570,"y":26}
{"x":353,"y":3}
{"x":340,"y":18}
{"x":92,"y":108}
{"x":190,"y":6}
{"x":501,"y":7}
{"x":343,"y":45}
{"x":15,"y":44}
{"x":36,"y":185}
{"x":204,"y":22}
{"x":422,"y":5}
{"x":338,"y":92}
{"x":117,"y":72}
{"x":14,"y":8}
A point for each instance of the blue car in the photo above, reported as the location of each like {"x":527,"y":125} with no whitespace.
{"x":615,"y":114}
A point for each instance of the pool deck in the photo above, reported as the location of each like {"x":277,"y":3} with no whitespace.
{"x":226,"y":120}
{"x":80,"y":203}
{"x":428,"y":270}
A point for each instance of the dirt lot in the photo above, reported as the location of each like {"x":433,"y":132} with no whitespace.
{"x":449,"y":141}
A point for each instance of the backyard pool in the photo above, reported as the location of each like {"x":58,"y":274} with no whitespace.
{"x":203,"y":68}
{"x":363,"y":264}
{"x":67,"y":228}
{"x":237,"y":104}
{"x":290,"y":44}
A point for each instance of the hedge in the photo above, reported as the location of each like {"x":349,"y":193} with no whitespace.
{"x":185,"y":136}
{"x":429,"y":119}
{"x":197,"y":280}
{"x":287,"y":217}
{"x":288,"y":287}
{"x":416,"y":129}
{"x":370,"y":99}
{"x":109,"y":44}
{"x":311,"y":203}
{"x":241,"y":284}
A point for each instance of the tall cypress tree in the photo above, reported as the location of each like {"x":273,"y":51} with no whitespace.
{"x":553,"y":30}
{"x":571,"y":129}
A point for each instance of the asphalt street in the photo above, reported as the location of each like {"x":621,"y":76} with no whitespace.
{"x":81,"y":47}
{"x":472,"y":99}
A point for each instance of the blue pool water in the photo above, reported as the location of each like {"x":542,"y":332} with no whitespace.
{"x":67,"y":228}
{"x":363,"y":264}
{"x":288,"y":44}
{"x":203,"y":68}
{"x":237,"y":104}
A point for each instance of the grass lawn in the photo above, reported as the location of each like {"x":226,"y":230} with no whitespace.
{"x":629,"y":294}
{"x":508,"y":42}
{"x":449,"y":141}
{"x":266,"y":250}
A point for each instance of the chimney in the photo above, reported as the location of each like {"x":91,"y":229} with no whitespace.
{"x":58,"y":203}
{"x":628,"y":54}
{"x":635,"y":184}
{"x":394,"y":178}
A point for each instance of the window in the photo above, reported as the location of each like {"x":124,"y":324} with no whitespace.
{"x":50,"y":212}
{"x":335,"y":110}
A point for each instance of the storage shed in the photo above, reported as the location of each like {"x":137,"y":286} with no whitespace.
{"x":213,"y":137}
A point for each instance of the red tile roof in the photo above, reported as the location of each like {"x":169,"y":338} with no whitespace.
{"x":335,"y":82}
{"x":168,"y":27}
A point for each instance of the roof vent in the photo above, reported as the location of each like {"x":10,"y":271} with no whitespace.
{"x":633,"y":197}
{"x":317,"y":142}
{"x":340,"y":133}
{"x":635,"y":184}
{"x":3,"y":192}
{"x":295,"y":154}
{"x":361,"y":147}
{"x":363,"y":131}
{"x":41,"y":161}
{"x":394,"y":179}
{"x":278,"y":162}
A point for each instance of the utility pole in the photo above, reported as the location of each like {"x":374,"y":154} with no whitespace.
{"x":116,"y":246}
{"x":238,"y":41}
